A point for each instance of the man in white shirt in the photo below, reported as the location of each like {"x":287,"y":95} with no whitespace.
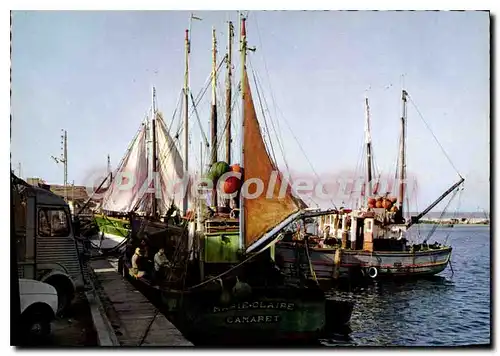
{"x":161,"y":262}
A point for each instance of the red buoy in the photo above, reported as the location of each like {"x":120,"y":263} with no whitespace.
{"x":231,"y":185}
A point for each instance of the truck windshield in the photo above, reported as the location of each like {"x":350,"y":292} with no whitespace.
{"x":53,"y":222}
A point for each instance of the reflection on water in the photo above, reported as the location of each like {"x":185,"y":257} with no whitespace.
{"x":441,"y":310}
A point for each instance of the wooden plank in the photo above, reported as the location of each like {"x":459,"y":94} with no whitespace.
{"x":131,"y":313}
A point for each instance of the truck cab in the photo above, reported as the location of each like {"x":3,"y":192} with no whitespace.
{"x":47,"y":249}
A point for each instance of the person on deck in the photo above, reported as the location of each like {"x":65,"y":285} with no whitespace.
{"x":161,"y":263}
{"x":135,"y":270}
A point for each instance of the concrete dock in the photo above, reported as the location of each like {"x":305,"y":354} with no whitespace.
{"x":129,"y":318}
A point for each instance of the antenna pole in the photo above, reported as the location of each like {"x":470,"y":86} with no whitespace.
{"x":214,"y":111}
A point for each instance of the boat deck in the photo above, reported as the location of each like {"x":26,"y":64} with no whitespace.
{"x":135,"y":321}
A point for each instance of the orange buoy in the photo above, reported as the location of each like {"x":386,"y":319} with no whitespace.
{"x":378,"y":204}
{"x":371,"y":206}
{"x":386,"y":204}
{"x":372,"y":201}
{"x":394,"y":209}
{"x":236,"y":168}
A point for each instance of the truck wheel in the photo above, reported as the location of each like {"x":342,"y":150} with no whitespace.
{"x":65,"y":293}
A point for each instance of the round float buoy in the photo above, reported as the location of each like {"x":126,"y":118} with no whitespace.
{"x":378,"y":204}
{"x":236,"y":168}
{"x":372,"y":272}
{"x":216,"y":170}
{"x":231,"y":185}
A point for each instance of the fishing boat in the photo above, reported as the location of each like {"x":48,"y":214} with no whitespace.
{"x":372,"y":241}
{"x":222,"y":285}
{"x":139,"y":185}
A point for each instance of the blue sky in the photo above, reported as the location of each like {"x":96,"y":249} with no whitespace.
{"x":91,"y":73}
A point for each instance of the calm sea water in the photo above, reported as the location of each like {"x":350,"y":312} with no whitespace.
{"x":451,"y":309}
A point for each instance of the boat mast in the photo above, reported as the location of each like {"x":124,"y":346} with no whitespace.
{"x":213,"y":119}
{"x":186,"y":114}
{"x":368,"y":141}
{"x":155,"y":160}
{"x":229,"y":92}
{"x":402,"y":157}
{"x":243,"y":52}
{"x":109,"y":168}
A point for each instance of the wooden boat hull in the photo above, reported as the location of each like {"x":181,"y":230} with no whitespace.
{"x":386,"y":263}
{"x":116,"y":230}
{"x":276,"y":314}
{"x":258,"y":318}
{"x":114,"y":227}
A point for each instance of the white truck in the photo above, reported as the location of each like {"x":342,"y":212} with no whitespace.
{"x":47,"y":249}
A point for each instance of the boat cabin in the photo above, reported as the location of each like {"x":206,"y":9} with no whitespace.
{"x":372,"y":230}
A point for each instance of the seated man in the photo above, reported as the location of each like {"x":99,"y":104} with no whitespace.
{"x":161,"y":262}
{"x":135,"y":270}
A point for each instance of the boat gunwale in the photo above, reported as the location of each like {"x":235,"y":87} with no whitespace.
{"x":333,"y":249}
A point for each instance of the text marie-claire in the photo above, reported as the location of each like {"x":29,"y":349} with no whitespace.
{"x":256,"y":305}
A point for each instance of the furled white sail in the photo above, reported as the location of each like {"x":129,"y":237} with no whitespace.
{"x":125,"y":191}
{"x":170,"y":169}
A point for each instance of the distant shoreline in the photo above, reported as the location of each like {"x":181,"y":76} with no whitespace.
{"x":447,"y":222}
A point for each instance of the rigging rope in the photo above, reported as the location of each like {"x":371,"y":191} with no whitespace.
{"x":455,"y":216}
{"x":252,"y":256}
{"x":441,"y":216}
{"x":279,"y":138}
{"x":303,"y":152}
{"x":146,"y":332}
{"x":435,"y":138}
{"x":179,"y":100}
{"x":270,"y":144}
{"x":201,"y":94}
{"x":278,"y":132}
{"x":122,"y":161}
{"x":220,"y":140}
